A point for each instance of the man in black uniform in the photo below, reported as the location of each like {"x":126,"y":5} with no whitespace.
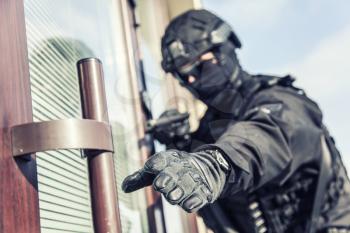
{"x":261,"y":159}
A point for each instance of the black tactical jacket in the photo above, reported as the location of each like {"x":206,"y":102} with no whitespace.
{"x":271,"y":134}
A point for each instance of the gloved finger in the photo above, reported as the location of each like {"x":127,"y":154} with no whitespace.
{"x":199,"y":198}
{"x":167,"y":179}
{"x":184,"y":187}
{"x":193,"y":203}
{"x":164,"y":182}
{"x":182,"y":130}
{"x":146,"y":175}
{"x":163,"y":136}
{"x":176,"y":195}
{"x":137,"y":180}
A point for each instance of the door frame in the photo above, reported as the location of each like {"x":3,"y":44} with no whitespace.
{"x":19,"y":203}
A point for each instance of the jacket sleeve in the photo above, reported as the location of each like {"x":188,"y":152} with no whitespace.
{"x":277,"y":134}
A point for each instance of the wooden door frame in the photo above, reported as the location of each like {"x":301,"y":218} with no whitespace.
{"x":19,"y":204}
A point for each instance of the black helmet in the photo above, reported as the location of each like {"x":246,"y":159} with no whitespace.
{"x":192,"y":34}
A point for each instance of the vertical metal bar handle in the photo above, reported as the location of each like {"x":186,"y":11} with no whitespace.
{"x":101,"y":170}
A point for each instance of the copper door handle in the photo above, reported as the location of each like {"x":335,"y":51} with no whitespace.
{"x":61,"y":134}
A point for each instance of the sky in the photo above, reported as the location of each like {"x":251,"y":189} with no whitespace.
{"x":309,"y":39}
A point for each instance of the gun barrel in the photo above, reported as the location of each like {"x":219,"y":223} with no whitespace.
{"x":152,"y":124}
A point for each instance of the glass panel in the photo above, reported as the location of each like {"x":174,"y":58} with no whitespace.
{"x":59,"y":33}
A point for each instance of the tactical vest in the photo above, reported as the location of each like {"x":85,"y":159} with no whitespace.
{"x":289,"y":208}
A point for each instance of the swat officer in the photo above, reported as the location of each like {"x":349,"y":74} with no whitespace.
{"x":261,"y":159}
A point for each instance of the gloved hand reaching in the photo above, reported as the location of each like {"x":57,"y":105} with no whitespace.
{"x":190,"y":180}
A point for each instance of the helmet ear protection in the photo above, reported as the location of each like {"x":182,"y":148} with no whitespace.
{"x":224,"y":33}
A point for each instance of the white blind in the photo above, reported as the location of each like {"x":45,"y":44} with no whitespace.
{"x":64,"y":197}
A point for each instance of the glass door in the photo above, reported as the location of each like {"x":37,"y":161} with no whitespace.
{"x":59,"y":33}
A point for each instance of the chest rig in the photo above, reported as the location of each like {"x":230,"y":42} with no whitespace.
{"x":300,"y":203}
{"x":277,"y":209}
{"x":286,"y":208}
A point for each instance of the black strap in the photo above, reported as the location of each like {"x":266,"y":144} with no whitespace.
{"x":323,"y":180}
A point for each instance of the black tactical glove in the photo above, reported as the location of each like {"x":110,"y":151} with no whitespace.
{"x":190,"y":180}
{"x":175,"y":134}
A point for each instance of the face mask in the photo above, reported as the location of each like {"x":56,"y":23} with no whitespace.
{"x":212,"y":79}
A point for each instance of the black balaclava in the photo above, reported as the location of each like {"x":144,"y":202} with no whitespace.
{"x":214,"y":77}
